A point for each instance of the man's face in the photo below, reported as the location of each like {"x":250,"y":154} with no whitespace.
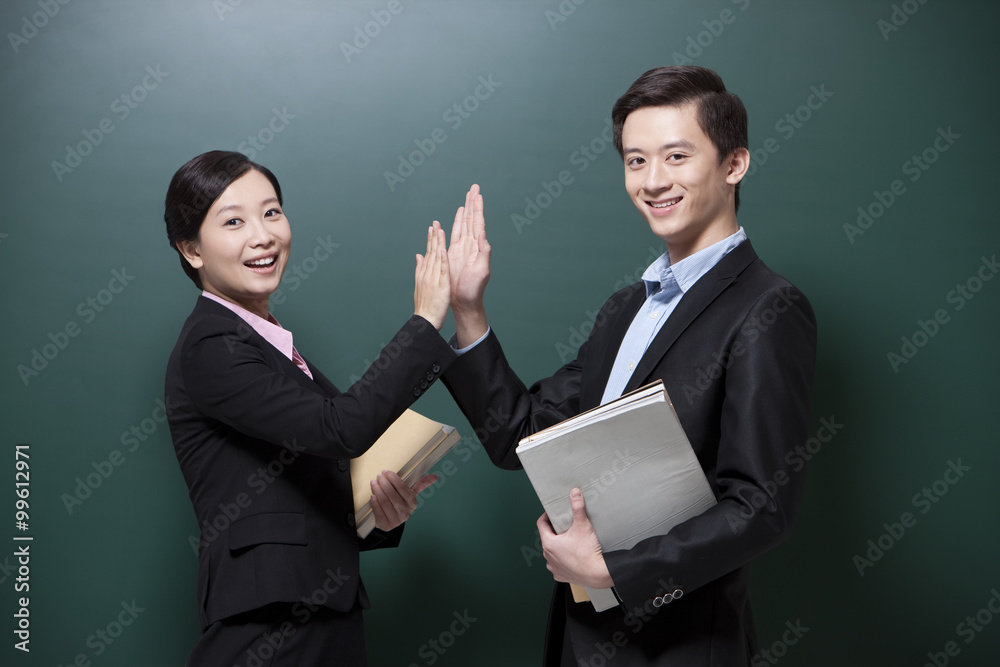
{"x":675,"y":179}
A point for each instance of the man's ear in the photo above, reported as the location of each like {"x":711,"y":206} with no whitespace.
{"x":739,"y":163}
{"x":191,"y":252}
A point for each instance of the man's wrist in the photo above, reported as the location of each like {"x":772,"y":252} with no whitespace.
{"x":470,"y":325}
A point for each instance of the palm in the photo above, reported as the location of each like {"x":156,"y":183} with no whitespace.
{"x":468,"y":254}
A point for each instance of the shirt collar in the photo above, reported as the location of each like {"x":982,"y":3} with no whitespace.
{"x":661,"y":274}
{"x":268,"y":329}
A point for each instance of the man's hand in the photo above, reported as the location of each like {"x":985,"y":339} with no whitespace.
{"x":393,"y":501}
{"x":469,"y":260}
{"x":575,"y":556}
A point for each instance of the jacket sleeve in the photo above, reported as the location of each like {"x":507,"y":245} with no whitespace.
{"x":498,"y":405}
{"x":228,"y":377}
{"x":758,"y":480}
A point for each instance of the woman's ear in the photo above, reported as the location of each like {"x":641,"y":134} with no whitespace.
{"x":190,"y":251}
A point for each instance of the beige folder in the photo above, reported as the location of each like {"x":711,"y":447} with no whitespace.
{"x":410,"y":446}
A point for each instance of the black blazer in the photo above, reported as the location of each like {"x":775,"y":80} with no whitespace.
{"x":737,"y":358}
{"x":264,"y":451}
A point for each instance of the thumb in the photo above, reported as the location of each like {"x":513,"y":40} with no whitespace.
{"x":579,"y":507}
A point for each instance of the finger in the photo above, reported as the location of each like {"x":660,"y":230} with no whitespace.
{"x":458,"y":227}
{"x":478,"y":213}
{"x":440,"y":240}
{"x":579,"y":507}
{"x":445,"y":266}
{"x":544,"y":526}
{"x":469,"y":199}
{"x":387,"y":507}
{"x":423,"y":483}
{"x":382,"y":522}
{"x":430,"y":240}
{"x":420,"y":262}
{"x":396,"y":490}
{"x":433,"y":257}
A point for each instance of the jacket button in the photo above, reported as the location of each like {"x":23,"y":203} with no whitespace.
{"x":342,"y":465}
{"x":430,"y":376}
{"x":436,"y":368}
{"x":657,"y":602}
{"x":350,"y":519}
{"x":416,"y":391}
{"x":423,"y":384}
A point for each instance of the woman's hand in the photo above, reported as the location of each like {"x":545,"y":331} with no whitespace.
{"x":469,"y":258}
{"x":432,"y":293}
{"x":393,"y":501}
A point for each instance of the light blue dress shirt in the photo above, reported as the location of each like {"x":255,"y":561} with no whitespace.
{"x":666,"y":283}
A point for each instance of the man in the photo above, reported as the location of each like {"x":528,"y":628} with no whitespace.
{"x":734,"y":344}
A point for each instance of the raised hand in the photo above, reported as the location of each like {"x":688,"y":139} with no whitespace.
{"x":469,"y":257}
{"x":432,"y":293}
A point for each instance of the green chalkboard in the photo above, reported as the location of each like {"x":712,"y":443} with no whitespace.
{"x":873,"y":137}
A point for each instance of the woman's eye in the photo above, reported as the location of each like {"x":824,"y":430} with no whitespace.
{"x":272,"y":212}
{"x":232,"y":222}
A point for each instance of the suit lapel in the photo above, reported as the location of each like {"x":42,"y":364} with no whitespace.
{"x":631,"y":300}
{"x":244,"y":331}
{"x":694,"y":301}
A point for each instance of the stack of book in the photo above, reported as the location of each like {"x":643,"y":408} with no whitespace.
{"x":634,"y":464}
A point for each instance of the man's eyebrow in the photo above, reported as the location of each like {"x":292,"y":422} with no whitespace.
{"x":669,"y":146}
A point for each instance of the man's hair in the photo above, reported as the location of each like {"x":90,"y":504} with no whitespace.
{"x":721,"y":114}
{"x":193,"y":190}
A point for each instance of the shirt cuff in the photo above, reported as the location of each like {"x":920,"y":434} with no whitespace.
{"x":454,"y":343}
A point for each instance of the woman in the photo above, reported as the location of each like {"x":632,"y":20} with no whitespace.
{"x":264,"y":440}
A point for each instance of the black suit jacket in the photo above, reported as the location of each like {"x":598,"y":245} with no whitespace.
{"x":737,"y":358}
{"x":264,"y":451}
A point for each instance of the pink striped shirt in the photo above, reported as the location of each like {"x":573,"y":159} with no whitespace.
{"x":268,"y":329}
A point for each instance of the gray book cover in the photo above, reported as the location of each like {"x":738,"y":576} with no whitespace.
{"x":634,"y":464}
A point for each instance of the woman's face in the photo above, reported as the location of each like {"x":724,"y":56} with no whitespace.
{"x":243,"y":244}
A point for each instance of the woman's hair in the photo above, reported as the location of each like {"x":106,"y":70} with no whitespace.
{"x":193,"y":190}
